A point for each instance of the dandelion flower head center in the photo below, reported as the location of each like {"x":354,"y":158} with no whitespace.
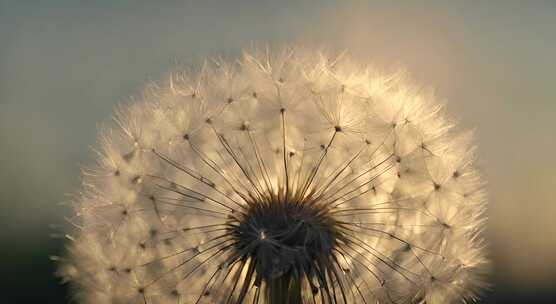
{"x":285,"y":237}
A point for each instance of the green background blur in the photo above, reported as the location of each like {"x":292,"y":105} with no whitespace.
{"x":64,"y":65}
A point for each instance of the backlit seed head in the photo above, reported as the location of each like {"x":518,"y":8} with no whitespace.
{"x":291,"y":176}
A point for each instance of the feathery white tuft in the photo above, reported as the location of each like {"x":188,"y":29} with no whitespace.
{"x":389,"y":189}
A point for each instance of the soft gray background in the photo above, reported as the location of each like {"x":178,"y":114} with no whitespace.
{"x":64,"y":65}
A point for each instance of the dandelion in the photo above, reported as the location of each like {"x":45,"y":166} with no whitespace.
{"x":292,"y":177}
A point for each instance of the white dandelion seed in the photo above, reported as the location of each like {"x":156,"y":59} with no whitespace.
{"x":286,"y":178}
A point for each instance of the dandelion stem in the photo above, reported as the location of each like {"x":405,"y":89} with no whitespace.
{"x":284,"y":289}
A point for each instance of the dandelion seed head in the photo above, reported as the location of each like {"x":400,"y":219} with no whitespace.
{"x":292,"y":175}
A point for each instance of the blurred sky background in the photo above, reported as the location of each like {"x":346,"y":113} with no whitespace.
{"x":64,"y":65}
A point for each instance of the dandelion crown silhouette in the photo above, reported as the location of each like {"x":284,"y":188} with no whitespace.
{"x":286,"y":177}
